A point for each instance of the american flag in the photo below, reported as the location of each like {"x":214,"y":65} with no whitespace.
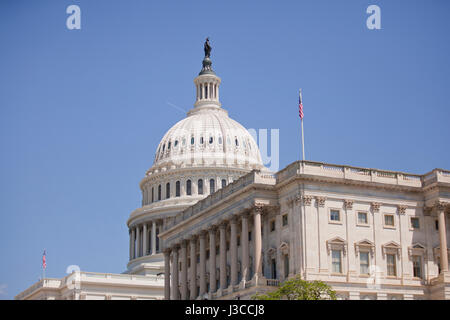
{"x":44,"y":263}
{"x":300,"y":105}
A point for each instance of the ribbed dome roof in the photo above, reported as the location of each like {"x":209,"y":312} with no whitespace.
{"x":208,"y":137}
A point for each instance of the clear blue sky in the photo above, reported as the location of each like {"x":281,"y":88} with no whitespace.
{"x":82,"y":111}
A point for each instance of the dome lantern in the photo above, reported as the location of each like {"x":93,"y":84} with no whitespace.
{"x":207,"y":83}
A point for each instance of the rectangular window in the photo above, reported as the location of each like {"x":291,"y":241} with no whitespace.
{"x":334,"y":215}
{"x":417,"y":266}
{"x":272,"y":225}
{"x":415,"y":223}
{"x":364,"y":262}
{"x":336,"y":261}
{"x":362,"y":217}
{"x":285,"y":220}
{"x":391,"y":265}
{"x":389,"y":220}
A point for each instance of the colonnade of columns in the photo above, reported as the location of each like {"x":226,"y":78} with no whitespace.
{"x":144,"y":239}
{"x":208,"y":91}
{"x":178,"y":287}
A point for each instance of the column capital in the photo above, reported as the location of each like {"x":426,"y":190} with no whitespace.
{"x":183,"y":243}
{"x":375,"y":206}
{"x":258,"y":209}
{"x":212,"y":229}
{"x":348,"y":204}
{"x":202,"y":234}
{"x":440,"y":205}
{"x":320,"y":201}
{"x":234,"y":219}
{"x":167,"y":251}
{"x":245,"y":214}
{"x":307,"y":200}
{"x":401,"y":209}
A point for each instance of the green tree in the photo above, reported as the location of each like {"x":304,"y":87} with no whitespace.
{"x":298,"y":289}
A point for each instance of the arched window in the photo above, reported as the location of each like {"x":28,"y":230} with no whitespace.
{"x":224,"y":183}
{"x":220,"y":140}
{"x":211,"y":139}
{"x":176,"y":143}
{"x":200,"y":186}
{"x":192,"y":140}
{"x":189,"y":187}
{"x":212,"y":186}
{"x":236,"y":142}
{"x":164,"y":147}
{"x":153,"y":194}
{"x":201,"y":140}
{"x":206,"y":92}
{"x":168,"y":145}
{"x":159,"y":192}
{"x":168,"y":190}
{"x":177,"y":189}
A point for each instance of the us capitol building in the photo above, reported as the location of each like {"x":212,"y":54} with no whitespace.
{"x":216,"y":224}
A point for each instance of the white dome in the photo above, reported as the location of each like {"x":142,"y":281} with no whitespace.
{"x":207,"y":138}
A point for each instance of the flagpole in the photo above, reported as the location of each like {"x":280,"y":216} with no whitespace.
{"x":301,"y":120}
{"x":303,"y":143}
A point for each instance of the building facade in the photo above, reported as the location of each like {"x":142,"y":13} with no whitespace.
{"x":370,"y":234}
{"x":216,"y":224}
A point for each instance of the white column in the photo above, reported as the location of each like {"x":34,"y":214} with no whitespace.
{"x":212,"y":260}
{"x":184,"y":287}
{"x":193,"y":273}
{"x":167,"y":274}
{"x":154,"y":237}
{"x":257,"y":241}
{"x":233,"y":252}
{"x":349,"y":225}
{"x":202,"y":266}
{"x":442,"y":236}
{"x":322,"y":230}
{"x":138,"y":241}
{"x":175,"y":271}
{"x":145,"y":244}
{"x":223,"y":256}
{"x":133,"y":243}
{"x":244,"y":246}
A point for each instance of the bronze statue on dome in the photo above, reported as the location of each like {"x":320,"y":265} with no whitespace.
{"x":207,"y":48}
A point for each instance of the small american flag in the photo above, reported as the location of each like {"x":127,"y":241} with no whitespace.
{"x":300,"y":105}
{"x":44,"y":263}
